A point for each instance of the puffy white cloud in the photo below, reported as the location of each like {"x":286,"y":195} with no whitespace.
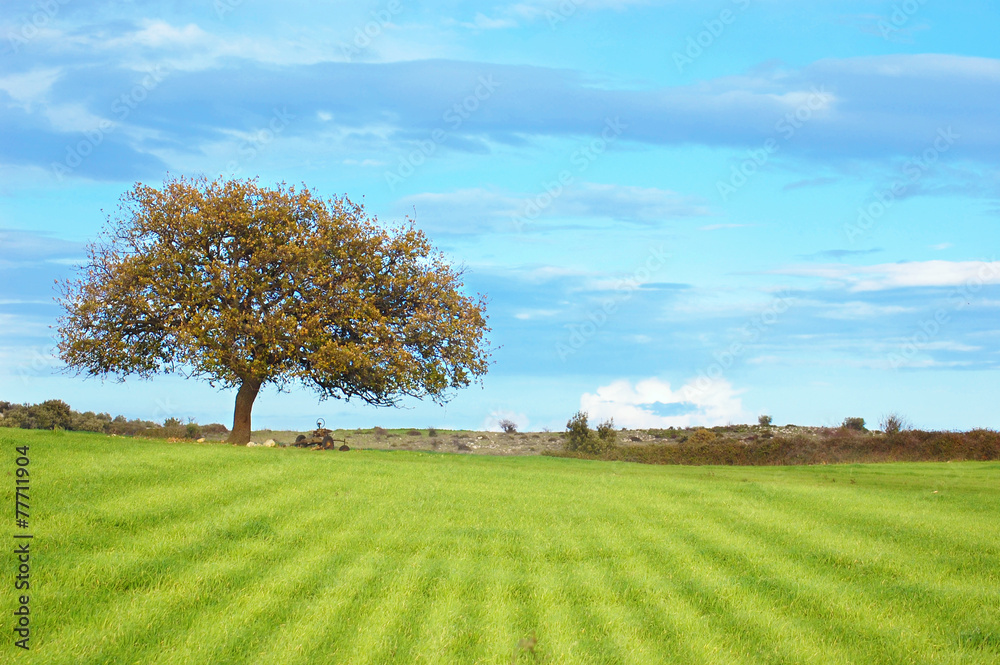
{"x":701,"y":401}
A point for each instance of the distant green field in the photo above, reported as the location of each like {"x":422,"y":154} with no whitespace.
{"x":152,"y":552}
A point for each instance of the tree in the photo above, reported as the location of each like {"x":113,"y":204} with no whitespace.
{"x":508,"y":426}
{"x":247,"y":286}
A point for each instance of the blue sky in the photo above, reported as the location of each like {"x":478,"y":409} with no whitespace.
{"x":682,"y":212}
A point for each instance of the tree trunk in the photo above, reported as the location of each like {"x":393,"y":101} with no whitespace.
{"x":240,"y":435}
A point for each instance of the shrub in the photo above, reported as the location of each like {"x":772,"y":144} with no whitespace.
{"x":432,"y":432}
{"x":702,"y":436}
{"x":838,"y":446}
{"x":893,"y":423}
{"x":606,"y":433}
{"x":413,"y":432}
{"x":857,"y":424}
{"x":172,"y":428}
{"x":14,"y":416}
{"x":577,"y":431}
{"x":764,"y":421}
{"x":123,"y":427}
{"x":580,"y":438}
{"x":51,"y":414}
{"x":55,"y":414}
{"x":508,"y":426}
{"x":91,"y":422}
{"x":379,"y":432}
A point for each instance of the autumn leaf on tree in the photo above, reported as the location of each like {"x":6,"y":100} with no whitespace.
{"x":247,"y":286}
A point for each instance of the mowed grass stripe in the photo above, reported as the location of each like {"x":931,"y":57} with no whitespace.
{"x":278,"y":583}
{"x":752,"y":554}
{"x":917,"y":518}
{"x":832,"y":587}
{"x":742,"y":630}
{"x":310,"y":571}
{"x":671,"y":619}
{"x":205,"y":559}
{"x":746,"y":586}
{"x":829,"y":548}
{"x":176,"y":553}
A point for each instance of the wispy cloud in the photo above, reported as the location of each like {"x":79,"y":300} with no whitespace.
{"x":23,"y":247}
{"x":902,"y":275}
{"x":528,"y":315}
{"x":719,"y":227}
{"x":841,"y":253}
{"x":477,"y":209}
{"x":877,"y":107}
{"x":854,"y":309}
{"x":811,"y":182}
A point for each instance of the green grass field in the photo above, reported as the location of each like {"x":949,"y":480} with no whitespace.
{"x":151,"y":552}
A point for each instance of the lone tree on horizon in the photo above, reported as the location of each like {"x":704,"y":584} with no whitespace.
{"x":245,"y":286}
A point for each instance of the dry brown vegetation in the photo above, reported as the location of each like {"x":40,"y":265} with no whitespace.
{"x":755,"y":446}
{"x":732,"y":445}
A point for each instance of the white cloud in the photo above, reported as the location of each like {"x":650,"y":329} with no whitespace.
{"x":856,"y":310}
{"x":561,"y":10}
{"x":160,"y":34}
{"x":709,"y":402}
{"x":477,"y":208}
{"x":535,"y":274}
{"x":74,"y":117}
{"x":764,"y":360}
{"x":946,"y":345}
{"x":363,"y":162}
{"x":21,"y":325}
{"x":191,"y":48}
{"x":30,"y":87}
{"x":901,"y":275}
{"x":483,"y":22}
{"x":917,"y":66}
{"x":530,"y":314}
{"x":22,"y":247}
{"x":716,"y":227}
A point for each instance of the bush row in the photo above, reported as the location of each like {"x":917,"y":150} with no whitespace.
{"x":56,"y":414}
{"x":838,"y":446}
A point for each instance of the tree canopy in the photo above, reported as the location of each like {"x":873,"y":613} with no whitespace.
{"x":246,"y":286}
